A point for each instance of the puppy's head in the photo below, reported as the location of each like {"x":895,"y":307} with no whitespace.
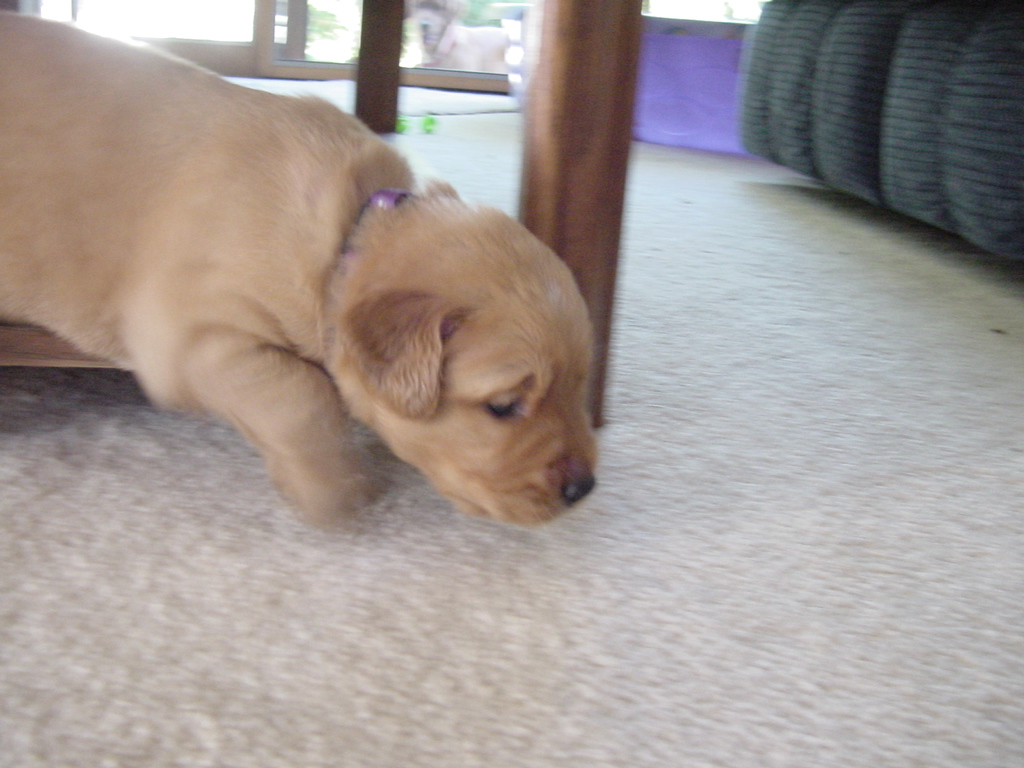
{"x":464,"y":342}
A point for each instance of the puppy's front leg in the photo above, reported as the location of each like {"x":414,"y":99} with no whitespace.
{"x":289,"y":409}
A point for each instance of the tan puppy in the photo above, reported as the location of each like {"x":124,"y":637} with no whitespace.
{"x":235,"y":250}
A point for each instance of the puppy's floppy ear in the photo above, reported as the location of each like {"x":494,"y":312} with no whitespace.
{"x":398,"y":338}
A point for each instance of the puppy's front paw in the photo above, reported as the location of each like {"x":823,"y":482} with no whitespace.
{"x":334,"y":504}
{"x":328,"y":502}
{"x":335,"y":507}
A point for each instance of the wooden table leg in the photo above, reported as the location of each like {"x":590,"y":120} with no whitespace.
{"x":578,"y":132}
{"x":377,"y":72}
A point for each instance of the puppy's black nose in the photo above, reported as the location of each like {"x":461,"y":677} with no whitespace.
{"x":576,"y":489}
{"x":573,"y":477}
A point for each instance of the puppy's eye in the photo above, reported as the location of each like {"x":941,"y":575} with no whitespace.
{"x":504,"y":411}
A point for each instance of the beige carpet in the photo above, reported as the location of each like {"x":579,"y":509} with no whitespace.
{"x":806,"y":548}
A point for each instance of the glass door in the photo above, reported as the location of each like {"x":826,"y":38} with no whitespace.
{"x":461,"y":44}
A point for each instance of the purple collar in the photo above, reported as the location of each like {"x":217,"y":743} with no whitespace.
{"x":387,"y":198}
{"x":383,"y":198}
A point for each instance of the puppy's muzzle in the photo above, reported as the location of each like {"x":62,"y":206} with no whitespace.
{"x":574,"y":478}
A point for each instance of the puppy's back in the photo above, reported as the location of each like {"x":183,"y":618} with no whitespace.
{"x":117,"y":161}
{"x":89,"y":129}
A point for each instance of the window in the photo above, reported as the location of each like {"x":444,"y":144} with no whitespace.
{"x":462,"y":44}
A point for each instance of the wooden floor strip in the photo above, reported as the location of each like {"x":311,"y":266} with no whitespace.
{"x":30,"y":345}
